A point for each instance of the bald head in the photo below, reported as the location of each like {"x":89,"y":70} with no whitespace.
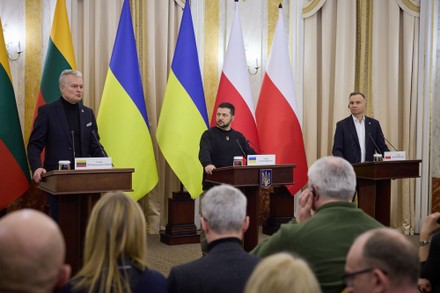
{"x":387,"y":254}
{"x":32,"y":252}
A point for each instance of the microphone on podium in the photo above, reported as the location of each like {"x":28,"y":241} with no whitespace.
{"x":100,"y":146}
{"x":377,"y":148}
{"x":242,"y":151}
{"x":389,"y":143}
{"x":72,"y":133}
{"x":254,"y":145}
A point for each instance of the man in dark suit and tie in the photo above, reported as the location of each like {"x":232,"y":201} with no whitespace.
{"x":358,"y":137}
{"x":226,"y":267}
{"x":65,"y":129}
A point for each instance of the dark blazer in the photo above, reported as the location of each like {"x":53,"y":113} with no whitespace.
{"x":226,"y":268}
{"x":346,"y":143}
{"x":51,"y":131}
{"x":431,"y":267}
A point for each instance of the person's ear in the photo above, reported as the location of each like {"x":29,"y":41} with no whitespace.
{"x":205,"y":226}
{"x":381,"y":282}
{"x":64,"y":275}
{"x":245,"y":225}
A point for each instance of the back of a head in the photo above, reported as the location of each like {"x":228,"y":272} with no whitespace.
{"x":32,"y":252}
{"x":116,"y":229}
{"x":390,"y":251}
{"x":282,"y":273}
{"x":224,"y":208}
{"x":334,"y":177}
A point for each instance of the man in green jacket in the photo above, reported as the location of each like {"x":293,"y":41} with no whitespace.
{"x":327,"y":223}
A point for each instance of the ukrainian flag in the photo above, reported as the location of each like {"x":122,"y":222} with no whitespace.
{"x":122,"y":117}
{"x":184,"y":117}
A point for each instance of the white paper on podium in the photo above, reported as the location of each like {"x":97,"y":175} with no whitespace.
{"x":394,"y":156}
{"x":260,"y":160}
{"x":88,"y":163}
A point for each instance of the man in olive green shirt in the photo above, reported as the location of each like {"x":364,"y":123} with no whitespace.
{"x":326,"y":225}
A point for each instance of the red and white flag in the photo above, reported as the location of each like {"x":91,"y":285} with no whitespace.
{"x":278,"y":126}
{"x":234,"y":86}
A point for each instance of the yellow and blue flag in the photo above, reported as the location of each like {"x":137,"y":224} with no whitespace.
{"x":122,"y":117}
{"x":184,"y":117}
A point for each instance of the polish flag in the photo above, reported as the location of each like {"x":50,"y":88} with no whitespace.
{"x":234,"y":86}
{"x":278,"y":126}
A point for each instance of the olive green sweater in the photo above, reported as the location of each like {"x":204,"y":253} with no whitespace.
{"x":323,"y":241}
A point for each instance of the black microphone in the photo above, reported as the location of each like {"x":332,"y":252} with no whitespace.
{"x":369,"y":134}
{"x":72,"y":133}
{"x":242,"y":151}
{"x":100,"y":146}
{"x":254,"y":145}
{"x":389,"y":142}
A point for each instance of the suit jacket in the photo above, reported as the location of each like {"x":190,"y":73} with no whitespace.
{"x":226,"y":268}
{"x":346,"y":142}
{"x":51,"y":131}
{"x":431,"y":267}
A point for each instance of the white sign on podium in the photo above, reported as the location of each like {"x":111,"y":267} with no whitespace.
{"x":260,"y":160}
{"x":88,"y":163}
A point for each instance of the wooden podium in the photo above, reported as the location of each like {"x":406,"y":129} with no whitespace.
{"x":78,"y":191}
{"x":374,"y":185}
{"x":247,"y":179}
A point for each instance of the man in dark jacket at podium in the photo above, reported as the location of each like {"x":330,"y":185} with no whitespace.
{"x":221,"y":143}
{"x":358,"y":137}
{"x":65,"y":129}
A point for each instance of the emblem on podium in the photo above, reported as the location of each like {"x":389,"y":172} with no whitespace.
{"x":265,"y":178}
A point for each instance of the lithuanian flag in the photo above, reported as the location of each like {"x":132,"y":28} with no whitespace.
{"x":60,"y":56}
{"x":14,"y":172}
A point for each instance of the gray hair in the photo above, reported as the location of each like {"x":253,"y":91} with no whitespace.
{"x":334,"y":177}
{"x":390,"y":251}
{"x":224,"y":208}
{"x":65,"y":72}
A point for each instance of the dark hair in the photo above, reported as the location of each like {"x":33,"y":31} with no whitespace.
{"x":393,"y":253}
{"x":229,"y":106}
{"x":357,"y":93}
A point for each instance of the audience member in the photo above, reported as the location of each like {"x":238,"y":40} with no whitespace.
{"x":382,"y":260}
{"x":32,"y":252}
{"x":226,"y":267}
{"x":282,"y":273}
{"x":115,"y":250}
{"x":326,"y":225}
{"x":429,"y":254}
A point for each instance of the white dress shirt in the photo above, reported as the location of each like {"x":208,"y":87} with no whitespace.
{"x":360,"y":130}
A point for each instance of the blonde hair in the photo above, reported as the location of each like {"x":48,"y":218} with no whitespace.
{"x":282,"y":273}
{"x":116,"y":230}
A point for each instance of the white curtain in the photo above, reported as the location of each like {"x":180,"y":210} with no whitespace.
{"x":329,"y":73}
{"x":394,"y":79}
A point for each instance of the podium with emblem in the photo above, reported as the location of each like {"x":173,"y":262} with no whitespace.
{"x":249,"y":179}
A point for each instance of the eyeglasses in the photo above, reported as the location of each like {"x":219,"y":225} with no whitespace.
{"x":347,"y":278}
